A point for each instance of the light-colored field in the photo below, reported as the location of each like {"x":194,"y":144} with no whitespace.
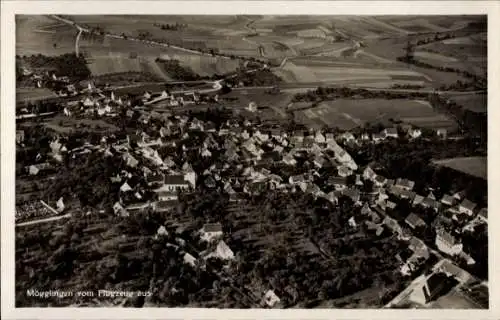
{"x":37,"y":34}
{"x":347,"y":114}
{"x":474,"y":166}
{"x":434,"y":56}
{"x":460,"y":40}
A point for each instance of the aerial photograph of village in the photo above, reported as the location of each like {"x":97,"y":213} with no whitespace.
{"x":251,"y":161}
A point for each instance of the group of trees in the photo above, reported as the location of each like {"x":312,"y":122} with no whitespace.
{"x":126,"y":78}
{"x":329,"y":93}
{"x":469,"y":120}
{"x":178,"y":72}
{"x":256,"y":78}
{"x":171,"y":27}
{"x":68,"y":64}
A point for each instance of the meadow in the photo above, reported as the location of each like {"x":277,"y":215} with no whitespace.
{"x":474,"y":166}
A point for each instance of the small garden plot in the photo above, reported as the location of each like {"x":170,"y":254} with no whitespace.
{"x":65,"y":125}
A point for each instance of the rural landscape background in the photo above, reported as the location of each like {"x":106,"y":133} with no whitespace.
{"x":229,"y":102}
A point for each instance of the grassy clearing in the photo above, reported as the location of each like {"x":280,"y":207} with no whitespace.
{"x":33,"y":94}
{"x":474,"y":166}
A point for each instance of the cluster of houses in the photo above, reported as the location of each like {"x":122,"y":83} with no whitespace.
{"x":245,"y":154}
{"x":248,"y":153}
{"x":51,"y":80}
{"x":97,"y":102}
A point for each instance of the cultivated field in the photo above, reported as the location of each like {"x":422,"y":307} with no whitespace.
{"x":472,"y":102}
{"x":325,"y":70}
{"x":474,"y":166}
{"x":347,"y":114}
{"x":463,"y":53}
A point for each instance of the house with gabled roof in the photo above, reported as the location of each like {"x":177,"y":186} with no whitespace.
{"x":379,"y":181}
{"x":415,"y":221}
{"x":390,"y":133}
{"x":189,"y":259}
{"x":377,"y":137}
{"x":270,"y":298}
{"x":155,"y":179}
{"x":467,"y":207}
{"x":405,"y":184}
{"x":211,"y":232}
{"x":459,"y":195}
{"x":414,"y":133}
{"x":319,"y":137}
{"x":174,"y":182}
{"x":417,"y":200}
{"x":164,"y":205}
{"x":119,"y":210}
{"x":430,"y":203}
{"x":339,"y":183}
{"x":222,"y":251}
{"x":329,"y":137}
{"x":344,"y":171}
{"x":369,"y":174}
{"x":483,"y":215}
{"x":164,"y":195}
{"x":448,"y":200}
{"x":352,"y":193}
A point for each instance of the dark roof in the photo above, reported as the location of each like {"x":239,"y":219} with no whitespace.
{"x":209,"y":126}
{"x":435,"y":284}
{"x":175,"y":179}
{"x":166,"y":204}
{"x":380,"y":179}
{"x":212,"y":227}
{"x":337,"y":180}
{"x":273,"y":155}
{"x":134,"y":138}
{"x":155,"y":178}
